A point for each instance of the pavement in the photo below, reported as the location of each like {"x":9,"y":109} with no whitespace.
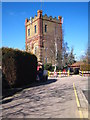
{"x":83,"y":107}
{"x":56,"y":98}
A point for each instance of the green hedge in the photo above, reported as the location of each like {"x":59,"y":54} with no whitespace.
{"x":85,"y":67}
{"x":49,"y":67}
{"x":18,"y":67}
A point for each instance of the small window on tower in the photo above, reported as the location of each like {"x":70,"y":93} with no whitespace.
{"x":40,"y":15}
{"x":45,"y":28}
{"x":28,"y":32}
{"x":35,"y":29}
{"x":35,"y":52}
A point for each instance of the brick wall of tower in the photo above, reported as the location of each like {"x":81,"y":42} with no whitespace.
{"x":54,"y":28}
{"x":26,"y":20}
{"x":60,"y":18}
{"x":42,"y":39}
{"x":40,"y":34}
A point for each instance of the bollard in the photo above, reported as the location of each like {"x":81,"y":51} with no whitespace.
{"x":79,"y":72}
{"x":82,"y":73}
{"x":48,"y":73}
{"x":68,"y":73}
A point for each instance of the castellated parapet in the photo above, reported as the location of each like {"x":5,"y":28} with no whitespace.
{"x":41,"y":32}
{"x":44,"y":17}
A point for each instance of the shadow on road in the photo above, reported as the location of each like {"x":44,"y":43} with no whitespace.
{"x":49,"y":81}
{"x":87,"y":95}
{"x":11,"y":92}
{"x":6,"y":101}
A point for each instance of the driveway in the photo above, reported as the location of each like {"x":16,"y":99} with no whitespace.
{"x":53,"y":99}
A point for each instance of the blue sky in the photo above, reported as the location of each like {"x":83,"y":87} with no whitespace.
{"x":75,"y":24}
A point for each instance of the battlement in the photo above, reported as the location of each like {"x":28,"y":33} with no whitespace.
{"x":50,"y":18}
{"x":31,"y":20}
{"x":44,"y":17}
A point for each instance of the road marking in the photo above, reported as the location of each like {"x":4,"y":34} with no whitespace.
{"x":77,"y":101}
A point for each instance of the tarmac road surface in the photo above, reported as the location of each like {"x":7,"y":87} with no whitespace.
{"x":53,"y":99}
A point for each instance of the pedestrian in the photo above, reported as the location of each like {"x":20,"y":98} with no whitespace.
{"x":40,"y":73}
{"x":38,"y":79}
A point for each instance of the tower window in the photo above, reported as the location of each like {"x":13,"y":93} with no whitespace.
{"x":35,"y":29}
{"x":28,"y":32}
{"x":45,"y":28}
{"x":40,"y":15}
{"x":35,"y":50}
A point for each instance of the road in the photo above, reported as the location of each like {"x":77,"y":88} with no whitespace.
{"x":54,"y":99}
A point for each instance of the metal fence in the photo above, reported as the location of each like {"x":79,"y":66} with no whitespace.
{"x":58,"y":74}
{"x":84,"y":73}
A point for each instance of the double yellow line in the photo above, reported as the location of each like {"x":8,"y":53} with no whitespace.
{"x":77,"y":101}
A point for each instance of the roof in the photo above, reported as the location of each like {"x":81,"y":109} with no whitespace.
{"x":77,"y":64}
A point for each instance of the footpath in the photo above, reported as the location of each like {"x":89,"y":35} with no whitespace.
{"x":82,"y":100}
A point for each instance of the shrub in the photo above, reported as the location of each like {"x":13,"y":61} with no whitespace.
{"x":51,"y":68}
{"x":85,"y":67}
{"x":76,"y":70}
{"x":5,"y":83}
{"x":48,"y":66}
{"x":19,"y":67}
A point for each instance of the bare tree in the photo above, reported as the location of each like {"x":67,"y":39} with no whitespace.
{"x":71,"y":57}
{"x":53,"y":48}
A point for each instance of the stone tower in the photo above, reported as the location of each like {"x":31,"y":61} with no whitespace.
{"x":41,"y":32}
